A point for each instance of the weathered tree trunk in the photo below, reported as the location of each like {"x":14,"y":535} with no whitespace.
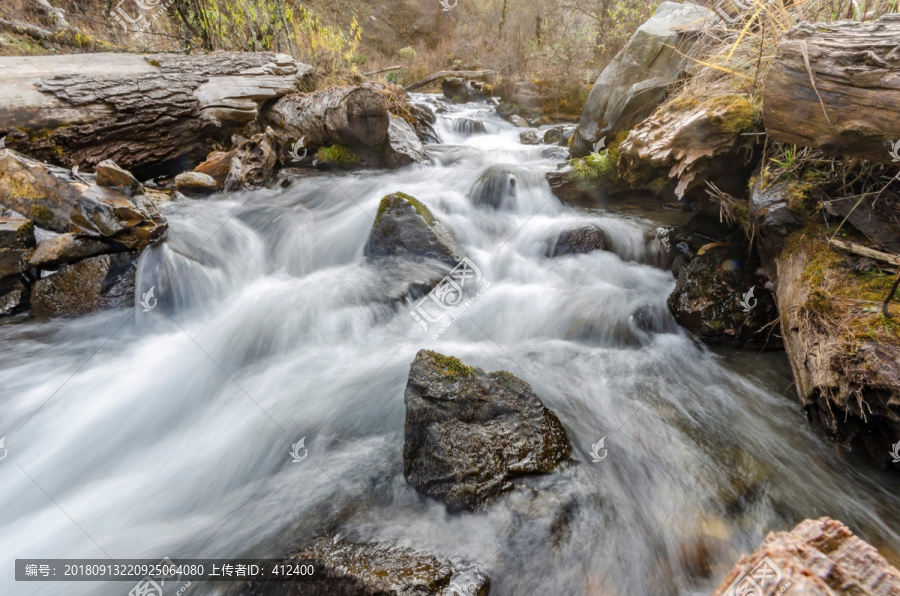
{"x":836,"y":87}
{"x":355,"y":116}
{"x":147,"y":113}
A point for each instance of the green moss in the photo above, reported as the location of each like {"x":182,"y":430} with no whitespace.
{"x":505,"y":377}
{"x":393,"y":200}
{"x":453,"y":368}
{"x":597,"y":169}
{"x":738,"y":114}
{"x":153,"y":62}
{"x":339,"y":155}
{"x":40,"y":213}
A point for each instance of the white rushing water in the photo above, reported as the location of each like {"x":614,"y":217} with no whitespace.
{"x":136,"y":434}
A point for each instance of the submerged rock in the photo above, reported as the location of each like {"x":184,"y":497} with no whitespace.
{"x":529,"y":137}
{"x":719,"y":298}
{"x":637,"y":80}
{"x":820,"y":557}
{"x":580,"y":241}
{"x":345,"y":568}
{"x":90,"y":285}
{"x":468,"y":126}
{"x":404,"y":227}
{"x":495,"y":188}
{"x":470,"y":433}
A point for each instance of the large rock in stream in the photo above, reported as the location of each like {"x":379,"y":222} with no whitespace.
{"x":404,"y":227}
{"x":820,"y":557}
{"x":719,"y":297}
{"x":638,"y":79}
{"x":344,"y":568}
{"x":16,"y":243}
{"x":470,"y":433}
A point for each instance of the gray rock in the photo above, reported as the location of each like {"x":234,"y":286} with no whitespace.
{"x":528,"y":137}
{"x":495,"y":188}
{"x":90,"y":285}
{"x":195,"y":183}
{"x":460,"y":90}
{"x":774,"y":220}
{"x":636,"y":82}
{"x":111,"y":175}
{"x":405,"y":227}
{"x":580,"y":241}
{"x":16,"y":233}
{"x":527,"y":97}
{"x":13,"y":295}
{"x":345,"y":568}
{"x":60,"y":250}
{"x":403,"y":146}
{"x":102,"y":212}
{"x":518,"y":121}
{"x":470,"y":433}
{"x":468,"y":126}
{"x":558,"y":135}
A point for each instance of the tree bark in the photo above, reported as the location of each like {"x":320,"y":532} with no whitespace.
{"x":355,"y":116}
{"x":836,"y":87}
{"x":149,"y":114}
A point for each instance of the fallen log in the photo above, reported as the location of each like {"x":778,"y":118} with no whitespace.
{"x":381,"y":70}
{"x":836,"y":87}
{"x":463,"y":74}
{"x":354,"y":116}
{"x":150,"y":114}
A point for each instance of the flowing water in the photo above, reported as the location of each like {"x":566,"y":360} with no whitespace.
{"x":135,"y":434}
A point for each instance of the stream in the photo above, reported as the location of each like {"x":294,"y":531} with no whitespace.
{"x":135,"y":434}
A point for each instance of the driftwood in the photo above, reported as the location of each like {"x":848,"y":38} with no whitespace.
{"x":354,"y":116}
{"x":463,"y":74}
{"x":381,"y":70}
{"x":836,"y":87}
{"x":863,"y":251}
{"x":146,"y":113}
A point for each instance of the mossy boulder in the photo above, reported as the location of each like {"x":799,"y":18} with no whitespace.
{"x":33,"y":190}
{"x":404,"y":227}
{"x":719,"y":298}
{"x":469,"y":433}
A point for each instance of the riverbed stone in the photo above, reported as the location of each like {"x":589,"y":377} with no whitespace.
{"x":819,"y":557}
{"x":90,"y":285}
{"x":708,"y":295}
{"x":217,"y":165}
{"x":13,"y":295}
{"x":196,"y":183}
{"x":102,"y":212}
{"x":469,"y":433}
{"x":54,"y":252}
{"x":404,"y":227}
{"x":403,"y":146}
{"x":581,"y":241}
{"x":111,"y":175}
{"x":496,"y":188}
{"x":345,"y":568}
{"x":32,"y":189}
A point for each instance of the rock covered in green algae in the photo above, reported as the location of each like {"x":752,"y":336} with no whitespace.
{"x":469,"y":433}
{"x":404,"y":227}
